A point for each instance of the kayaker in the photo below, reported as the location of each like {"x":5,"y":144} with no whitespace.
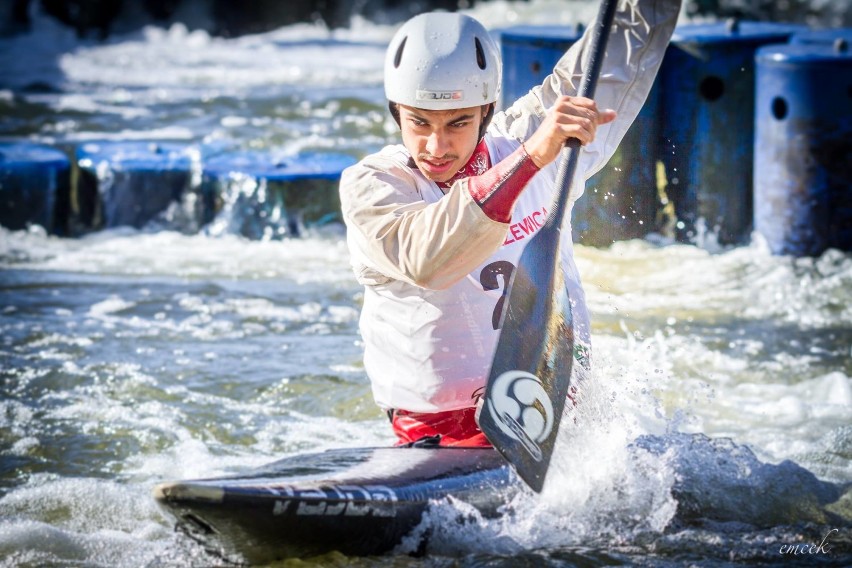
{"x":436,"y":225}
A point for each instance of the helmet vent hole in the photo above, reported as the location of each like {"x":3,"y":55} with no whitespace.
{"x":397,"y":58}
{"x":480,"y":54}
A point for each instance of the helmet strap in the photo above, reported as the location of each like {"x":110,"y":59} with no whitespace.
{"x":394,"y":110}
{"x":486,"y":120}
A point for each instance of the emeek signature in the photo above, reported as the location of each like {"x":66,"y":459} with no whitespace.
{"x":808,"y":548}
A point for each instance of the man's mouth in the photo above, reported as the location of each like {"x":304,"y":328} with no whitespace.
{"x":437,"y":166}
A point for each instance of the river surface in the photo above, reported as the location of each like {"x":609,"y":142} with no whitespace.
{"x":717,"y":430}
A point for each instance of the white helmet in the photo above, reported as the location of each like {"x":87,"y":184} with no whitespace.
{"x":442,"y":61}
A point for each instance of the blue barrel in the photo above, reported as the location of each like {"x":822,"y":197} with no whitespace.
{"x":803,"y":148}
{"x":620,"y":202}
{"x":34,"y":186}
{"x":270,"y":195}
{"x":529,"y":55}
{"x":827,"y":36}
{"x":708,"y":91}
{"x":130,"y":183}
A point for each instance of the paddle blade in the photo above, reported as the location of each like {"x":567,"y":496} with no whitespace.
{"x":531,"y":371}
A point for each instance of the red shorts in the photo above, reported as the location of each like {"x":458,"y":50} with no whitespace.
{"x":456,"y":427}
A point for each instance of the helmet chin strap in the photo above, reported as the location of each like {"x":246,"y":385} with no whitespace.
{"x":486,"y":120}
{"x":394,"y":110}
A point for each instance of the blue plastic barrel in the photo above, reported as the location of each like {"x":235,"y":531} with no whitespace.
{"x":826,"y":36}
{"x":529,"y":55}
{"x":620,"y":202}
{"x":131,"y":183}
{"x":708,"y":91}
{"x":803,"y":148}
{"x":34,"y":186}
{"x":270,"y":195}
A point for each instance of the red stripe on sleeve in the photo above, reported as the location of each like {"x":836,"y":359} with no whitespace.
{"x":497,"y":190}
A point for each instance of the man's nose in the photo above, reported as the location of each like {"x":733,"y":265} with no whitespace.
{"x":436,"y":145}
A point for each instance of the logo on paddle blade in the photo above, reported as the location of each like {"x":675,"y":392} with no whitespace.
{"x":521,"y":409}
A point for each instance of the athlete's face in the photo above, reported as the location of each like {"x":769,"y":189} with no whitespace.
{"x":440,"y":141}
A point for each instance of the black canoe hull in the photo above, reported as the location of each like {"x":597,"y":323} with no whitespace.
{"x":356,"y":501}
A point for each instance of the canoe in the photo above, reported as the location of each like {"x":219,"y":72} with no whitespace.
{"x":359,"y":502}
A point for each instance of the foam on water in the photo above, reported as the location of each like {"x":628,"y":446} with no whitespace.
{"x":86,"y":521}
{"x":599,"y":491}
{"x":624,"y":479}
{"x":779,"y":350}
{"x":128,"y":252}
{"x":683,"y":424}
{"x":603,"y":490}
{"x":235,"y":65}
{"x":656,"y":374}
{"x":745,"y":281}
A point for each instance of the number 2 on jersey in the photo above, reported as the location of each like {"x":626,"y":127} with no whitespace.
{"x":488,"y":279}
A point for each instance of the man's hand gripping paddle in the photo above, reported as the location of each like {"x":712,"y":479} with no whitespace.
{"x":531,"y":371}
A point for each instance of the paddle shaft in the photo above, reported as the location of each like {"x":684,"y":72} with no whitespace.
{"x":531,"y":370}
{"x":568,"y":165}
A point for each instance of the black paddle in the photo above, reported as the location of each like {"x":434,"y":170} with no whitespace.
{"x":531,"y":371}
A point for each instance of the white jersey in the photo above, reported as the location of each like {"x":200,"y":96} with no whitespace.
{"x":435,"y":267}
